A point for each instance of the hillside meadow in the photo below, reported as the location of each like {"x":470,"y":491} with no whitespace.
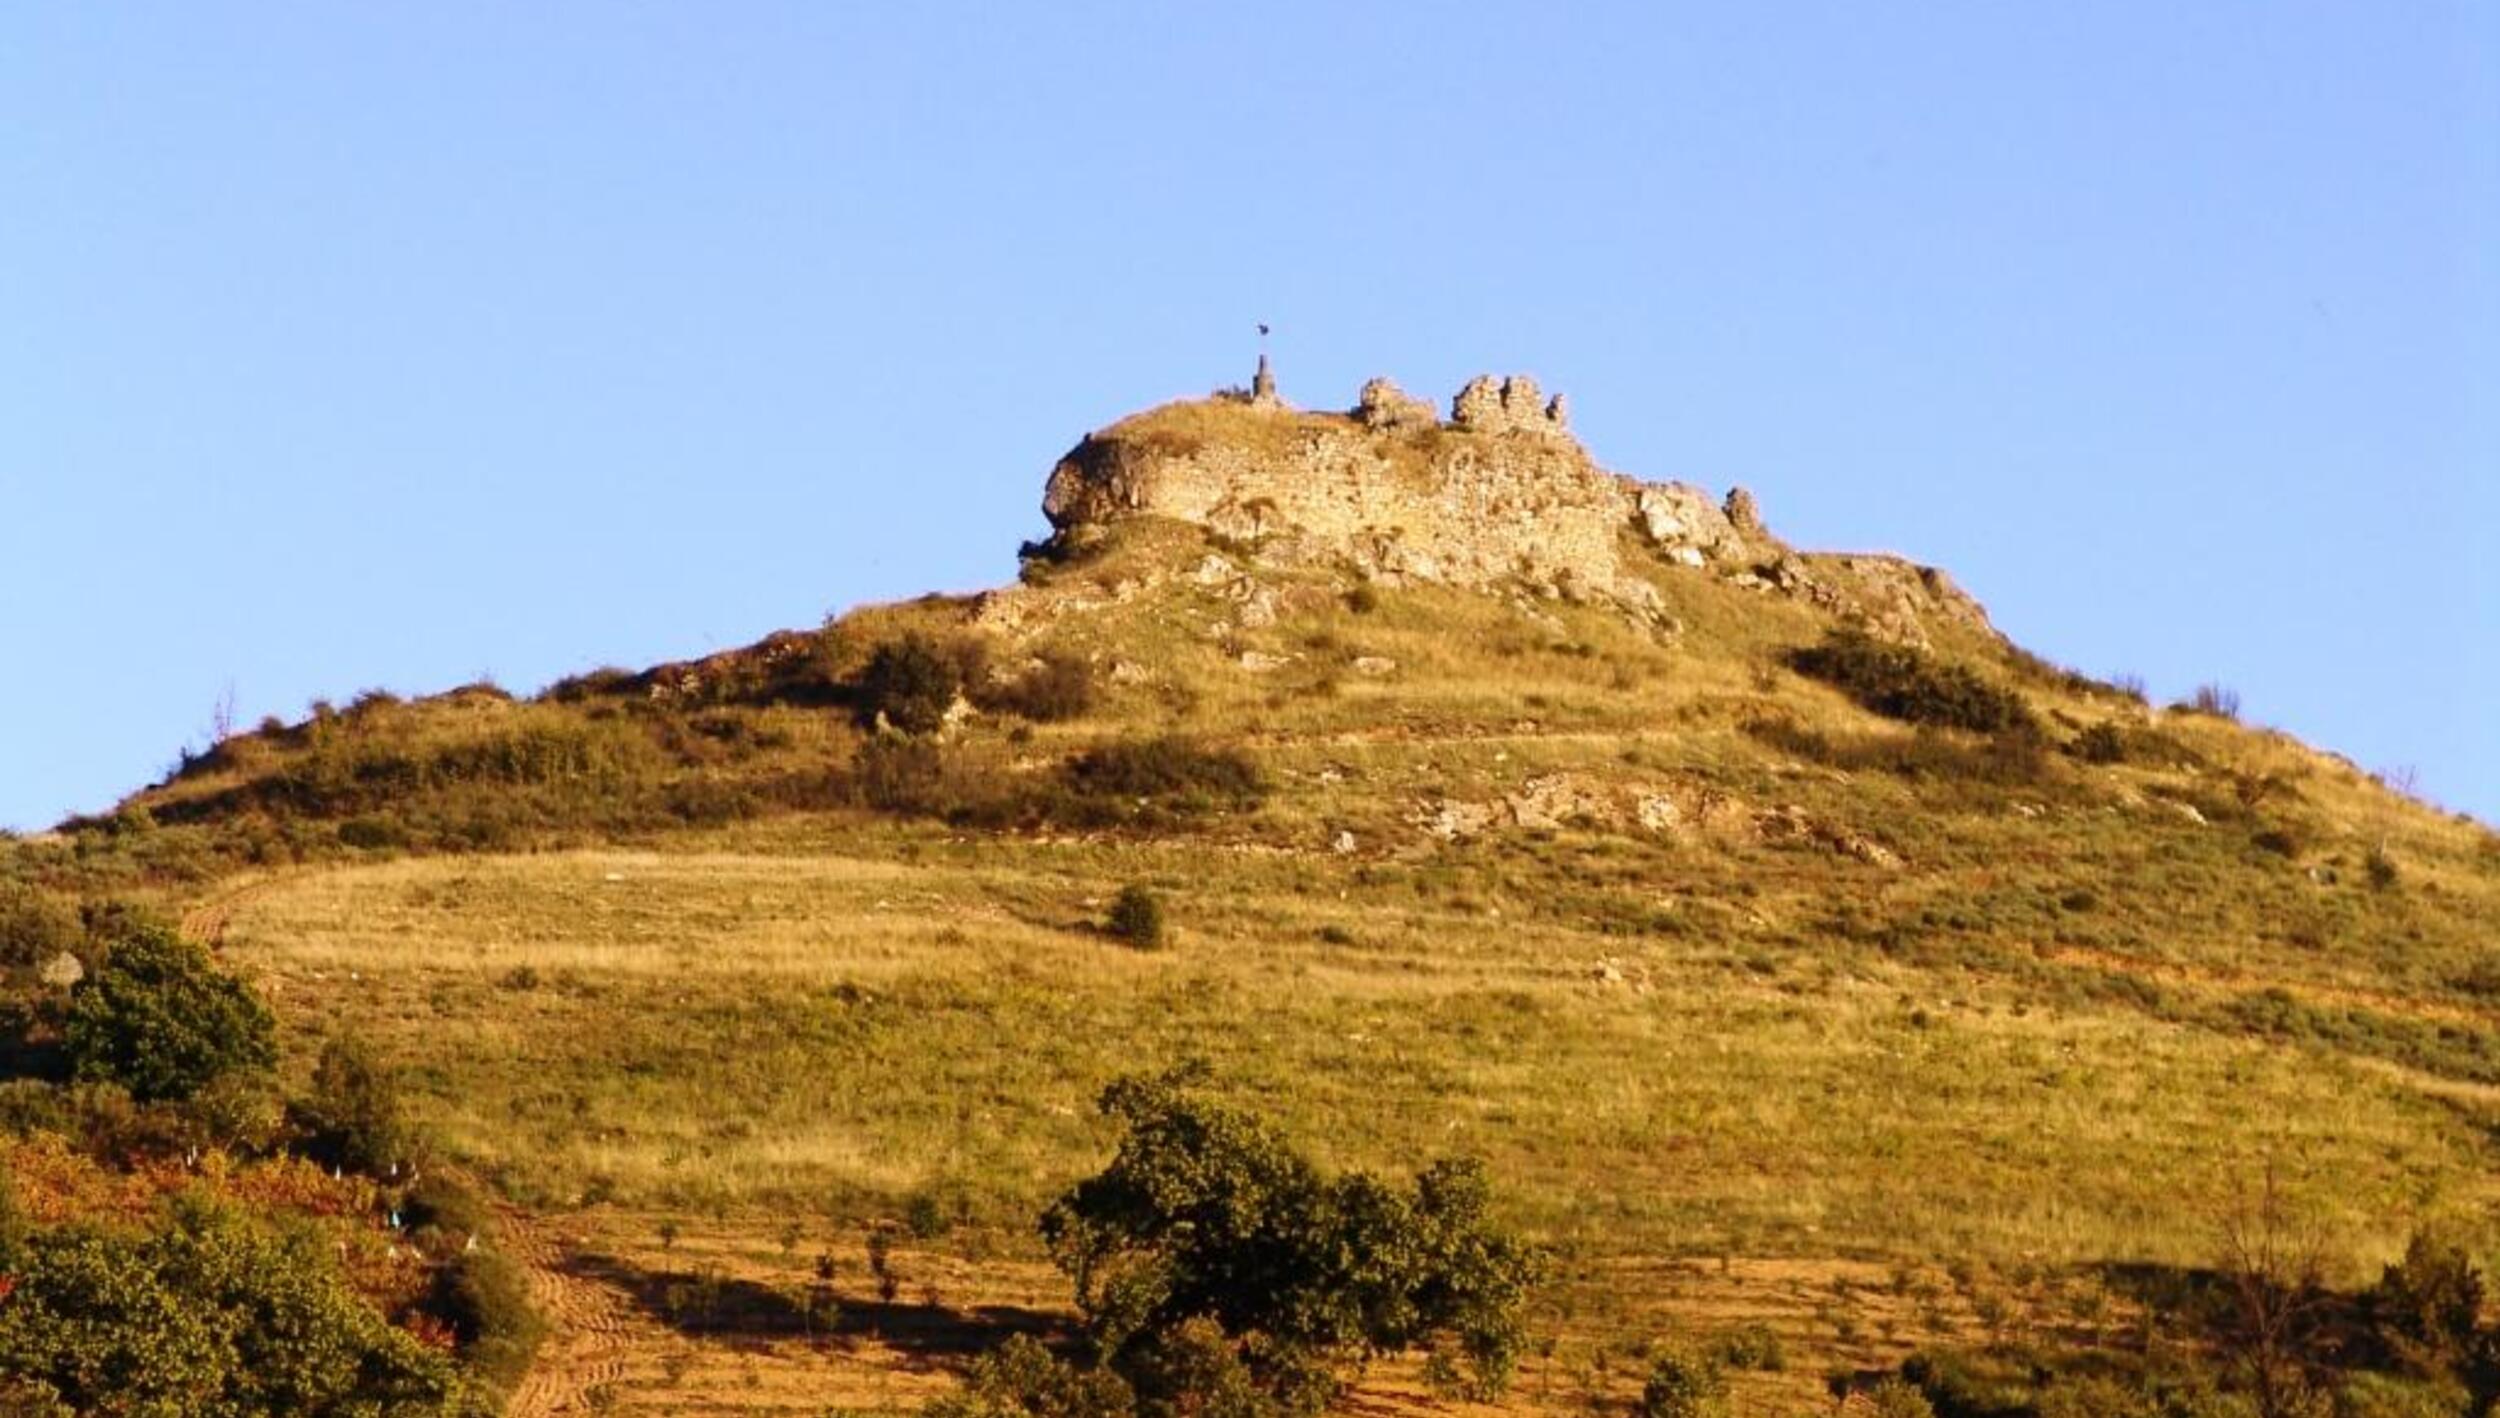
{"x":1762,"y":1007}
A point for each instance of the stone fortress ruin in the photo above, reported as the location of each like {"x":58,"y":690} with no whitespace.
{"x":1501,"y":493}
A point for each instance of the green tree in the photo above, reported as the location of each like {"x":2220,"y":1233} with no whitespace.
{"x":354,"y":1111}
{"x":912,"y":682}
{"x":1207,"y":1213}
{"x":209,"y":1315}
{"x":160,"y":1019}
{"x":1684,"y":1384}
{"x":1021,"y":1379}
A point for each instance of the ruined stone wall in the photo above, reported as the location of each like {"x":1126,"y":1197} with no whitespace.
{"x":1502,"y":492}
{"x":1514,"y":405}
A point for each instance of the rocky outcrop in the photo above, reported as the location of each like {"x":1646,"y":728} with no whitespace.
{"x":1501,"y":494}
{"x":1556,"y":801}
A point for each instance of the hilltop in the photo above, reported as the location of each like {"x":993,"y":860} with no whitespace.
{"x":1797,"y":950}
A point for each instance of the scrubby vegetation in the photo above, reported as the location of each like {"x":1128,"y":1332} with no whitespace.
{"x":257,"y":1284}
{"x":354,"y":1117}
{"x":1058,"y":687}
{"x":1905,"y":683}
{"x":910,"y":684}
{"x":2259,"y":1334}
{"x":793,"y":1018}
{"x":204,"y":1311}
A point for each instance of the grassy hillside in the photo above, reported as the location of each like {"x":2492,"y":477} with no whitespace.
{"x":1759,"y":1002}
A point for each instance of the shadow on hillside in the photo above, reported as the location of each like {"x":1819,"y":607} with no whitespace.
{"x":695,"y":1302}
{"x":2175,"y":1294}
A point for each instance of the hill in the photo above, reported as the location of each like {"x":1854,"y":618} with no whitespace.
{"x":1796,"y":950}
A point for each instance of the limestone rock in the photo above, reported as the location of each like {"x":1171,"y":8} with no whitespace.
{"x":1656,"y":812}
{"x":62,"y":971}
{"x":1502,"y":497}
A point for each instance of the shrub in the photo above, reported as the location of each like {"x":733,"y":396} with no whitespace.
{"x":483,"y":1295}
{"x":442,"y":1214}
{"x":160,"y":1019}
{"x":924,"y":778}
{"x":2217,"y":700}
{"x":372,"y":833}
{"x":1197,"y":1371}
{"x":1061,"y":687}
{"x":590,"y":684}
{"x":901,"y":776}
{"x":2425,"y":1307}
{"x":1137,"y":917}
{"x":1207,"y":1214}
{"x":2381,"y":870}
{"x":2369,"y":1395}
{"x":1021,"y":1379}
{"x":1905,"y":683}
{"x":1363,"y":599}
{"x":35,"y":925}
{"x":1683,"y":1384}
{"x":1753,"y":1346}
{"x":1171,"y":768}
{"x":240,"y":1110}
{"x":209,"y":1312}
{"x":2010,"y":759}
{"x":1948,"y":1382}
{"x":926,"y":1216}
{"x":910,"y":683}
{"x":1893,"y":1398}
{"x":354,"y":1113}
{"x":2100,"y":743}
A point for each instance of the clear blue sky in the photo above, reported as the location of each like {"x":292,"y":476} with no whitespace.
{"x":354,"y":345}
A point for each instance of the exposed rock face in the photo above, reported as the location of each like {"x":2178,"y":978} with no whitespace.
{"x":1551,"y":801}
{"x":1502,"y":494}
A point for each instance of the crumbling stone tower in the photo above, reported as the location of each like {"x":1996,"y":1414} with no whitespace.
{"x":1513,"y":405}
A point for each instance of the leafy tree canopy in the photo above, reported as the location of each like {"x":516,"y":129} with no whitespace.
{"x":160,"y":1019}
{"x":1206,"y":1213}
{"x":208,"y":1315}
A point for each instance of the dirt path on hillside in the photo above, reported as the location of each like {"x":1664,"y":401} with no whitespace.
{"x":590,"y":1328}
{"x":206,"y":921}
